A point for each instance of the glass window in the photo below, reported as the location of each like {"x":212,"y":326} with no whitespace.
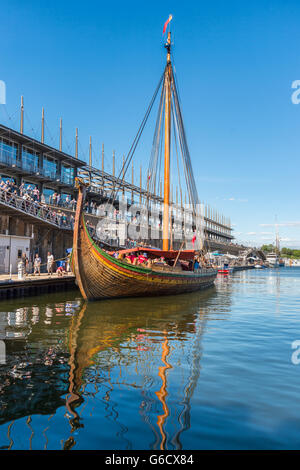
{"x":29,"y":186}
{"x":30,"y":160}
{"x":48,"y":193}
{"x":7,"y":178}
{"x":50,"y":167}
{"x":66,"y":199}
{"x":67,"y":174}
{"x":8,"y":152}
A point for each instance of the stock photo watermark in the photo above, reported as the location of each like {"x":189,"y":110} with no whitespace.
{"x":296,"y":354}
{"x":2,"y":92}
{"x":134,"y":222}
{"x":2,"y":352}
{"x":296,"y":94}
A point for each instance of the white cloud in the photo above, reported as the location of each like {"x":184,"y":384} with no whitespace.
{"x":235,"y":199}
{"x":282,"y":224}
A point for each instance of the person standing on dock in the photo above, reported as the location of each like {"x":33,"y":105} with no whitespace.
{"x":50,"y":261}
{"x":37,"y":265}
{"x":25,"y":262}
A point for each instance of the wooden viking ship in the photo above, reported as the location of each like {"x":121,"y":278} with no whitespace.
{"x":99,"y":274}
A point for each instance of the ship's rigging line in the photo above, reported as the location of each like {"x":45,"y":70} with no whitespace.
{"x":128,"y":159}
{"x":157,"y":140}
{"x":180,"y":132}
{"x":177,"y":160}
{"x":156,"y":152}
{"x":190,"y":181}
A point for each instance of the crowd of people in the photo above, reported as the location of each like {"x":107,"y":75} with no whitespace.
{"x":27,"y":267}
{"x":140,"y":258}
{"x":29,"y":199}
{"x":32,"y":193}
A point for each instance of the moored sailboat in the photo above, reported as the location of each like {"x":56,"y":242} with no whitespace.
{"x":101,"y":275}
{"x":273,"y":259}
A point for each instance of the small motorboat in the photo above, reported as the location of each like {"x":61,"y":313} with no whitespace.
{"x":223,"y":271}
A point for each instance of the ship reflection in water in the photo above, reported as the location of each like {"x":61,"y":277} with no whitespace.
{"x":131,"y":362}
{"x":135,"y":346}
{"x":181,"y":372}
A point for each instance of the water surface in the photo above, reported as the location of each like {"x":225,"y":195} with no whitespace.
{"x":210,"y":370}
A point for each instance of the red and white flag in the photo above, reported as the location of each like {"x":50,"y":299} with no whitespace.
{"x":166,"y":23}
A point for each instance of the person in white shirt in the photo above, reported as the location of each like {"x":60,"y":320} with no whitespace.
{"x":50,"y":261}
{"x":37,"y":265}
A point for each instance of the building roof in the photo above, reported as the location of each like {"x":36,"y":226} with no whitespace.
{"x":38,"y":146}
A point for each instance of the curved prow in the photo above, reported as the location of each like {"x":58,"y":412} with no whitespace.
{"x":76,"y":255}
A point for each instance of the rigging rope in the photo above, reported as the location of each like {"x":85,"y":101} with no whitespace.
{"x":152,"y":169}
{"x":185,"y":151}
{"x":125,"y":166}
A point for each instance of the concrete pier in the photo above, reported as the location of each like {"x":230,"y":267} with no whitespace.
{"x":34,"y":285}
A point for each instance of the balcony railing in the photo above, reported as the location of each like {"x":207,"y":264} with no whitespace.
{"x":35,"y":209}
{"x":7,"y":157}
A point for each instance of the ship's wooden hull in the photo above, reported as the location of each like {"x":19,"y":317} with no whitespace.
{"x":101,"y":276}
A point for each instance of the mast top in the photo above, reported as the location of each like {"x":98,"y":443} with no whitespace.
{"x":168,"y":47}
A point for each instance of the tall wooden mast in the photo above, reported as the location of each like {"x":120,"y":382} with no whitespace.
{"x":167,"y":85}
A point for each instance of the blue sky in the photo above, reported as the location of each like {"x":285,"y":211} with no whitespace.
{"x":96,"y":65}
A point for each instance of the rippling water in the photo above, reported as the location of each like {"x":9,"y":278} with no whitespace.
{"x":211,"y":370}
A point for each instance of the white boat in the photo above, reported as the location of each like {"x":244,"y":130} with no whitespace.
{"x":273,"y":260}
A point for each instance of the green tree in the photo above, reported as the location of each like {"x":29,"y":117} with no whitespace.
{"x":290,"y":253}
{"x":268,"y":248}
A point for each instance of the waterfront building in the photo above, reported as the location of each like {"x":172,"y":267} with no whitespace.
{"x":30,"y":163}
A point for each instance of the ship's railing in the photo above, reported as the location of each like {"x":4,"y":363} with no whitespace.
{"x":35,"y":209}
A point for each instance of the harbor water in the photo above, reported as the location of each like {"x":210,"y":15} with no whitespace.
{"x":218,"y":369}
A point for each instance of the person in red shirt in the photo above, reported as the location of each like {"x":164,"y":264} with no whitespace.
{"x":142,"y":259}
